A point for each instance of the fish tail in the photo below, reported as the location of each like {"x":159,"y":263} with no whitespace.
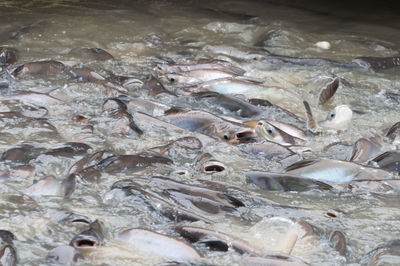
{"x":311,"y":124}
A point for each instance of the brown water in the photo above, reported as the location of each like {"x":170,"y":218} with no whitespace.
{"x":192,"y":30}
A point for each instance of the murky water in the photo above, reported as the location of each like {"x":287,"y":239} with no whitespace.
{"x":240,"y":32}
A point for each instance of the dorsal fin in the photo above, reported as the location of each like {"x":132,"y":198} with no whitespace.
{"x":174,"y":110}
{"x":301,"y":164}
{"x":327,"y":92}
{"x":311,"y":123}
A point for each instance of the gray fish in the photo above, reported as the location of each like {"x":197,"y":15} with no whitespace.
{"x":93,"y":237}
{"x":364,"y":150}
{"x":159,"y":245}
{"x":38,"y":99}
{"x":8,"y":255}
{"x":336,"y":171}
{"x":377,"y":63}
{"x":328,"y":91}
{"x":155,"y":87}
{"x":273,"y":260}
{"x":50,"y":186}
{"x":390,"y":249}
{"x":64,"y":255}
{"x":208,"y":165}
{"x":211,"y":125}
{"x":338,"y":242}
{"x":231,"y":103}
{"x":307,"y":61}
{"x":39,"y":68}
{"x":389,"y":160}
{"x":393,"y":133}
{"x":284,"y":182}
{"x":91,"y":53}
{"x":196,"y":234}
{"x":8,"y":56}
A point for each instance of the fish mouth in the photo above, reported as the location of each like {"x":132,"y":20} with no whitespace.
{"x":244,"y":136}
{"x":211,"y":167}
{"x":84,"y":243}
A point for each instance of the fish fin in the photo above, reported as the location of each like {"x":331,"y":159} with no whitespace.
{"x":174,"y":110}
{"x":205,"y":94}
{"x":327,"y":92}
{"x":311,"y":124}
{"x":300,"y":164}
{"x":392,"y":130}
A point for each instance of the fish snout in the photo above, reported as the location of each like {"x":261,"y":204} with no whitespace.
{"x":243,"y":136}
{"x":339,"y":118}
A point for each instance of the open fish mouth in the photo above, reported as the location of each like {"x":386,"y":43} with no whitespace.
{"x":245,"y":136}
{"x":84,"y":243}
{"x":211,"y":167}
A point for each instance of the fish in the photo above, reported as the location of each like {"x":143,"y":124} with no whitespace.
{"x":239,"y":107}
{"x":39,"y":68}
{"x":50,"y":186}
{"x":282,"y":133}
{"x":364,"y":150}
{"x":159,"y":245}
{"x":38,"y":99}
{"x":8,"y":56}
{"x":338,"y":242}
{"x":336,"y":172}
{"x":377,"y":63}
{"x":273,"y":260}
{"x":327,"y":92}
{"x":338,"y":119}
{"x":64,"y":255}
{"x":389,"y":160}
{"x":195,"y":76}
{"x":155,"y":87}
{"x":377,"y":256}
{"x":204,"y":235}
{"x":284,"y":182}
{"x":91,"y":238}
{"x":211,"y":125}
{"x":304,"y":61}
{"x":91,"y":54}
{"x":224,"y":66}
{"x":393,"y":133}
{"x":209,"y":165}
{"x":8,"y":254}
{"x":119,"y":110}
{"x":87,"y":75}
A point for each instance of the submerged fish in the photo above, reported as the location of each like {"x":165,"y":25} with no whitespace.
{"x":39,"y":68}
{"x":159,"y":245}
{"x":8,"y":56}
{"x":377,"y":63}
{"x":211,"y":125}
{"x":91,"y":53}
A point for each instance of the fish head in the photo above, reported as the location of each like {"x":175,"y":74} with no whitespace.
{"x":238,"y":135}
{"x":265,"y":130}
{"x":339,"y":118}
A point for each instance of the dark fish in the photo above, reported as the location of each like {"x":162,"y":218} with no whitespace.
{"x":211,"y":125}
{"x":91,"y":53}
{"x":196,"y":234}
{"x":64,"y":255}
{"x":231,"y":103}
{"x":39,"y":68}
{"x":338,"y":242}
{"x":155,"y":87}
{"x":159,"y":245}
{"x":87,"y":75}
{"x":284,"y":182}
{"x":70,"y":149}
{"x":377,"y":256}
{"x":364,"y":150}
{"x":8,"y":56}
{"x":119,"y":111}
{"x":23,"y":154}
{"x":93,"y":237}
{"x":307,"y":61}
{"x":327,"y":92}
{"x":377,"y":63}
{"x":8,"y":255}
{"x":186,"y":147}
{"x":389,"y":160}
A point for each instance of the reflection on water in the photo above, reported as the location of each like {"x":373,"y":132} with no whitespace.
{"x":140,"y":35}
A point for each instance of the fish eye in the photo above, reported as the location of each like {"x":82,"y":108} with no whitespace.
{"x":269,"y":131}
{"x":332,"y":115}
{"x":172,"y":79}
{"x":226,"y":136}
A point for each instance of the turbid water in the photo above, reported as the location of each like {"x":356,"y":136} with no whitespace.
{"x":140,"y":35}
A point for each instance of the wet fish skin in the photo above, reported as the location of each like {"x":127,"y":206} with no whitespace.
{"x":8,"y":255}
{"x":155,"y":87}
{"x":364,"y":150}
{"x":390,"y":248}
{"x":159,"y":244}
{"x":39,"y":68}
{"x":209,"y":165}
{"x":328,"y":91}
{"x":284,"y":182}
{"x":377,"y":63}
{"x":389,"y":160}
{"x":93,"y":237}
{"x":196,"y":234}
{"x":64,"y":255}
{"x":91,"y":53}
{"x":339,"y":118}
{"x":303,"y":61}
{"x":8,"y":56}
{"x":234,"y":104}
{"x":338,"y":242}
